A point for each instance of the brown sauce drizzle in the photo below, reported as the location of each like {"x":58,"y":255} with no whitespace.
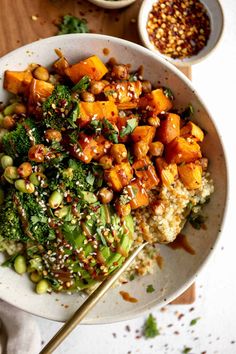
{"x":159,"y":260}
{"x":126,"y":296}
{"x":182,"y":242}
{"x":23,"y":218}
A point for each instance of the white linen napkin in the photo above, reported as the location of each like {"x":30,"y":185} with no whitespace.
{"x":19,"y":333}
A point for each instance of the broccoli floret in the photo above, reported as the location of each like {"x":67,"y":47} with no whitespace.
{"x":18,"y":142}
{"x":10,"y":222}
{"x":57,"y":107}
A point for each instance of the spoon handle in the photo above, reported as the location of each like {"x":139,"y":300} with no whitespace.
{"x":89,"y":303}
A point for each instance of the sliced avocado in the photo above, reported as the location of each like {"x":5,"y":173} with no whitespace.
{"x":89,"y":197}
{"x":88,"y":249}
{"x":105,"y":214}
{"x":115,"y":257}
{"x":124,"y":245}
{"x":103,"y":254}
{"x":129,"y":223}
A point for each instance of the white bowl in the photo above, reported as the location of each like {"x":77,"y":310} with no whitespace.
{"x":180,"y":268}
{"x":112,"y":5}
{"x":215,"y":13}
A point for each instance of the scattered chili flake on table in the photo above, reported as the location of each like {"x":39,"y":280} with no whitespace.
{"x":177,"y":28}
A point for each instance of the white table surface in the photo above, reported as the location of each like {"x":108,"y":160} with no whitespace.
{"x":215,"y":332}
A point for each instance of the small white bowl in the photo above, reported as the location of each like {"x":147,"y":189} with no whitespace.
{"x":215,"y":13}
{"x":112,"y":4}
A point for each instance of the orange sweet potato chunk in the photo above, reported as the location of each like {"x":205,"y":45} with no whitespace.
{"x":157,"y":101}
{"x":192,"y":130}
{"x":92,"y":67}
{"x":143,"y":133}
{"x":146,"y":173}
{"x":17,"y":82}
{"x":119,"y":176}
{"x":191,"y":175}
{"x":167,"y":172}
{"x":97,"y":110}
{"x":169,"y":128}
{"x":182,"y":150}
{"x":138,"y":195}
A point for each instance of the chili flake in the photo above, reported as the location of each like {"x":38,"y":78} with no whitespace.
{"x":179,"y":29}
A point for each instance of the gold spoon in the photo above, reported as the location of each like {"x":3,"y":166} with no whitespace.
{"x":89,"y":303}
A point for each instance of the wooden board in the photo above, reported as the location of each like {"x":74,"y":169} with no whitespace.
{"x":25,"y":21}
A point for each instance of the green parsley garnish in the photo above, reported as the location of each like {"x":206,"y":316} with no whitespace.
{"x":194,"y":321}
{"x":82,"y":85}
{"x":111,"y":133}
{"x":188,"y":112}
{"x":150,"y":288}
{"x":168,"y":93}
{"x":72,"y":24}
{"x":186,"y":350}
{"x":150,"y":327}
{"x":131,"y":125}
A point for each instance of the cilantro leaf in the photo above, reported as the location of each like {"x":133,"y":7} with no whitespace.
{"x":111,"y":133}
{"x":82,"y":85}
{"x":194,"y":321}
{"x":131,"y":125}
{"x":74,"y":114}
{"x":72,"y":24}
{"x":187,"y":113}
{"x":186,"y":350}
{"x":150,"y":288}
{"x":150,"y":327}
{"x":168,"y":93}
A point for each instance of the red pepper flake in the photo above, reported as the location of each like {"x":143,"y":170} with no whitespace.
{"x":179,"y":29}
{"x":180,"y":316}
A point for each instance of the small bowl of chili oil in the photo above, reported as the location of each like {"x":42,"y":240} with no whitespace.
{"x":184,"y":32}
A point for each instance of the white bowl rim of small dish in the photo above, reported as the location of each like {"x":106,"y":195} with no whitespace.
{"x":112,"y":5}
{"x":217,"y":28}
{"x":56,"y":42}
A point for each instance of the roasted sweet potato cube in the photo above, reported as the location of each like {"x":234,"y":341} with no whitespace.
{"x":143,"y":133}
{"x":86,"y":148}
{"x":103,"y":145}
{"x":156,"y":148}
{"x":119,"y":152}
{"x":167,"y":172}
{"x":146,"y":173}
{"x":137,"y":193}
{"x":119,"y":176}
{"x":192,"y":130}
{"x":157,"y":101}
{"x":123,"y":92}
{"x":182,"y":150}
{"x":17,"y":82}
{"x":169,"y":128}
{"x":60,"y":65}
{"x":127,"y":105}
{"x":140,"y":149}
{"x":97,"y":110}
{"x":39,"y":90}
{"x":92,"y":67}
{"x":191,"y":175}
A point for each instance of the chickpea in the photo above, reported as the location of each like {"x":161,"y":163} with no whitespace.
{"x":146,"y":86}
{"x":20,"y":265}
{"x":87,"y":96}
{"x":105,"y":195}
{"x":140,"y":149}
{"x":97,"y":87}
{"x":6,"y":161}
{"x":154,"y":121}
{"x":42,"y":287}
{"x":119,"y":152}
{"x":37,"y":153}
{"x":8,"y":122}
{"x":41,"y":73}
{"x":55,"y":199}
{"x":53,"y":135}
{"x":20,"y":108}
{"x":120,"y":72}
{"x":25,"y":169}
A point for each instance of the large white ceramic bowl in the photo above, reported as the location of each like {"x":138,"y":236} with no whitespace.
{"x":180,"y":269}
{"x":112,"y":4}
{"x":215,"y":12}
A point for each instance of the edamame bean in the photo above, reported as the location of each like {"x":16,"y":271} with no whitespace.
{"x":24,"y":186}
{"x":20,"y":265}
{"x":61,"y":213}
{"x":10,"y":174}
{"x":55,"y":199}
{"x":9,"y":109}
{"x":42,"y":287}
{"x":35,"y":277}
{"x":6,"y":161}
